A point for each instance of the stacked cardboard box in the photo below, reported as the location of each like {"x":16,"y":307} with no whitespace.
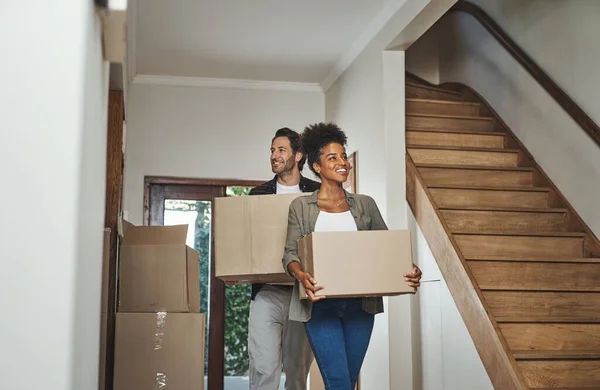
{"x":159,"y":340}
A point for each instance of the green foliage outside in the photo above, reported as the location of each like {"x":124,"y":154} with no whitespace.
{"x":237,"y":298}
{"x":237,"y":310}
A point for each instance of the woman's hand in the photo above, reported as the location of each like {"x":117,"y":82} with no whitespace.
{"x":306,"y":279}
{"x":310,"y":285}
{"x":414,"y":278}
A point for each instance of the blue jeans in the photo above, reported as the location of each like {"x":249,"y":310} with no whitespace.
{"x":339,"y":332}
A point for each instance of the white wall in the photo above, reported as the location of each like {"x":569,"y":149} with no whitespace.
{"x":445,"y":358}
{"x":422,"y":58}
{"x":206,"y":133}
{"x":52,"y":154}
{"x":361,"y":102}
{"x":559,"y":36}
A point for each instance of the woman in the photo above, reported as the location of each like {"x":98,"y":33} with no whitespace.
{"x":338,"y":329}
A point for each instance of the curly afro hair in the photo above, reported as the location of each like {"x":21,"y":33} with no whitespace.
{"x":317,"y":136}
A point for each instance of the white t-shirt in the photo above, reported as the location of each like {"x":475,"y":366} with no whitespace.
{"x":281,"y":189}
{"x":335,"y":222}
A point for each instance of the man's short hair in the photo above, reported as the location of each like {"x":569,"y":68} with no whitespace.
{"x":295,"y":143}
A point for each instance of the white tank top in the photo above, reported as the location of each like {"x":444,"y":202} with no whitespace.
{"x":335,"y":222}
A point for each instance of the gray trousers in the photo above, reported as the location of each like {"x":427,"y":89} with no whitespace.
{"x":275,"y":343}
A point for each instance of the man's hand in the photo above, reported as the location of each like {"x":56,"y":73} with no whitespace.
{"x":310,"y":285}
{"x":414,"y":278}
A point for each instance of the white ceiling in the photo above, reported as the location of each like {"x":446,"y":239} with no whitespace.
{"x":269,"y":40}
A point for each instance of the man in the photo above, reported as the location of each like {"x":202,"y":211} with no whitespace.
{"x":275,"y":343}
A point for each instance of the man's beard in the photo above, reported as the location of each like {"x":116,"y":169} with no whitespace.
{"x":286,"y":167}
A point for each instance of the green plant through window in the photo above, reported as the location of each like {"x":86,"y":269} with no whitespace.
{"x":237,"y":310}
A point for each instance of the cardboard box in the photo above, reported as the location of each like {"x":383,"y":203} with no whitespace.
{"x":358,"y":264}
{"x":157,"y":271}
{"x":250,"y":233}
{"x":104,"y":309}
{"x":159,"y":350}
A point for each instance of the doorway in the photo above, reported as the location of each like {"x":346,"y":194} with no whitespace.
{"x":181,"y":201}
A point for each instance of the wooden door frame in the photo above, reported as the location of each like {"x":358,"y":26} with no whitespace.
{"x":112,"y":210}
{"x":167,"y":180}
{"x":216,"y":326}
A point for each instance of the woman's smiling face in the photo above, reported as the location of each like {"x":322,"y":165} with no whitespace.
{"x":333,"y":163}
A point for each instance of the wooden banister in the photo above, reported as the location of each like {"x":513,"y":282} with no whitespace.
{"x":561,"y":97}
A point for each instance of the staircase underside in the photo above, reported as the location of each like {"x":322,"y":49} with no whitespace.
{"x":522,"y":267}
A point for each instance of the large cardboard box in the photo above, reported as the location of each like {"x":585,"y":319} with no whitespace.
{"x":358,"y":264}
{"x":250,"y":233}
{"x":104,"y":309}
{"x":157,"y":271}
{"x":159,"y":351}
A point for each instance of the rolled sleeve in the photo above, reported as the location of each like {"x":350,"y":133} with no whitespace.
{"x":377,"y":222}
{"x":294,"y":233}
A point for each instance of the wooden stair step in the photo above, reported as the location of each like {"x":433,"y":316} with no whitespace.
{"x":552,"y":337}
{"x":436,"y":174}
{"x":551,"y":355}
{"x":414,"y":90}
{"x":535,"y":259}
{"x":500,"y":221}
{"x":459,"y":131}
{"x":536,"y":276}
{"x":556,"y":210}
{"x":569,"y":374}
{"x":509,"y":233}
{"x":447,"y":155}
{"x":512,"y":233}
{"x":573,"y":305}
{"x":434,"y":106}
{"x":472,"y":245}
{"x":564,"y":388}
{"x":469,"y":117}
{"x":474,"y":168}
{"x":465,"y":149}
{"x":472,"y":197}
{"x":458,"y":122}
{"x":546,"y":320}
{"x":440,"y":138}
{"x":484,"y":188}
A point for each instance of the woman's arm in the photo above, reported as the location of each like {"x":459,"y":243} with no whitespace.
{"x":292,"y":264}
{"x":377,"y":222}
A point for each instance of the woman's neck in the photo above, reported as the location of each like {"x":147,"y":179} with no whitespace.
{"x":331,"y":190}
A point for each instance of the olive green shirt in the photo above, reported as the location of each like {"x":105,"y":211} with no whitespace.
{"x":302,"y":218}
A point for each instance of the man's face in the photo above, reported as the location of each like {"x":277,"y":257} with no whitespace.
{"x":283,"y":159}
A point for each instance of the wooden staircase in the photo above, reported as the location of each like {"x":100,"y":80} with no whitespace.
{"x":523,"y":268}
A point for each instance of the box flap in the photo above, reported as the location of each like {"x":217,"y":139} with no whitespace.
{"x":155,"y":235}
{"x":193,"y":280}
{"x":122,"y":226}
